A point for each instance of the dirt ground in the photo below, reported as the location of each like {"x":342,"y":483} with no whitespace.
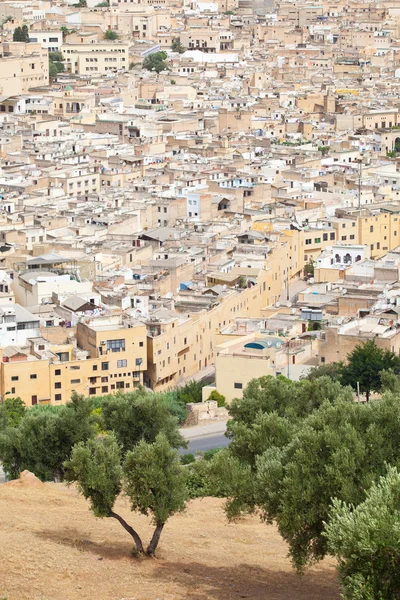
{"x":53,"y":548}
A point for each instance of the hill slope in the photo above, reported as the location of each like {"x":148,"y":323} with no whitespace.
{"x":52,"y":548}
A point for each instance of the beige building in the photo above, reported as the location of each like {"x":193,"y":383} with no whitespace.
{"x":108,"y":356}
{"x":96,"y":58}
{"x":23,"y":67}
{"x":247,"y":357}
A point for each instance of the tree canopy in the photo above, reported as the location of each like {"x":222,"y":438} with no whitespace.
{"x":298,"y":445}
{"x":150,"y":475}
{"x":21,"y":34}
{"x":365,"y":364}
{"x":111,"y":35}
{"x":366,"y":541}
{"x":156,"y":62}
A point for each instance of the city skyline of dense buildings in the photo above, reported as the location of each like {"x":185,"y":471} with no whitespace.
{"x":254,"y":180}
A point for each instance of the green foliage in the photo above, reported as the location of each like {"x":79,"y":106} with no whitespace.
{"x":217,"y":397}
{"x":201,"y":480}
{"x":65,"y":32}
{"x":81,"y":4}
{"x":323,"y":149}
{"x":190,"y":392}
{"x":155,"y":480}
{"x":111,"y":35}
{"x":150,"y":475}
{"x":104,"y":4}
{"x":175,"y":405}
{"x":297,"y":445}
{"x":187,"y":459}
{"x":96,"y":466}
{"x":173,"y":82}
{"x":43,"y":440}
{"x":242,"y":282}
{"x":56,"y":56}
{"x":12,"y":411}
{"x":139,"y":416}
{"x":21,"y":34}
{"x":331,"y":370}
{"x":309,"y":268}
{"x":156,"y":62}
{"x":365,"y":365}
{"x":391,"y":154}
{"x":209,"y":454}
{"x":177,"y":45}
{"x":366,"y":541}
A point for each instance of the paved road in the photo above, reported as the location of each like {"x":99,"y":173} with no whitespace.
{"x":205,"y":437}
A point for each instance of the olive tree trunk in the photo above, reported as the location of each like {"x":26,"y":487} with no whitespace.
{"x":131,"y":531}
{"x":151,"y":548}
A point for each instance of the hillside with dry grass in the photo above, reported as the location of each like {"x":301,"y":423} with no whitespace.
{"x":53,"y":548}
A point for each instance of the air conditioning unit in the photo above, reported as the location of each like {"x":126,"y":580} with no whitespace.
{"x":103,"y":343}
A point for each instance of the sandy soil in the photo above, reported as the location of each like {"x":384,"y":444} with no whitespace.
{"x":53,"y":548}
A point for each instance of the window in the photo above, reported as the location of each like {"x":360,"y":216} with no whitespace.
{"x":344,"y":238}
{"x":58,"y":397}
{"x":94,"y":367}
{"x":120,"y":385}
{"x":104,"y":366}
{"x":378,"y":245}
{"x":121,"y":363}
{"x":308,"y":242}
{"x":322,"y":359}
{"x":74,"y":368}
{"x":140,"y":344}
{"x":238,"y":386}
{"x":92,"y":391}
{"x":33,"y":376}
{"x":13,"y":390}
{"x":325,"y":237}
{"x":104,"y":389}
{"x":116,"y":345}
{"x":136,"y":374}
{"x":57,"y":372}
{"x":14,"y":378}
{"x":34,"y":400}
{"x":104,"y":380}
{"x":75,"y":381}
{"x":352,"y":237}
{"x":317,"y":240}
{"x":57,"y":385}
{"x":371,"y":229}
{"x":332,"y":236}
{"x":138,"y":361}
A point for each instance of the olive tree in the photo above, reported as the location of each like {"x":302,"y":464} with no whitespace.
{"x":366,"y":541}
{"x":150,"y":475}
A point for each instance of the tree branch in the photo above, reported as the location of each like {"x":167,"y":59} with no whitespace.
{"x":130,"y":530}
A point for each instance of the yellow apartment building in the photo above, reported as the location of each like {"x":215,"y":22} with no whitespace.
{"x":108,"y":356}
{"x":23,"y":66}
{"x":179,"y":347}
{"x":246,"y":357}
{"x":96,"y":58}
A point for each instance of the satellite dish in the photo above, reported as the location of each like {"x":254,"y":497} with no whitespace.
{"x":277,"y":304}
{"x":311,"y":280}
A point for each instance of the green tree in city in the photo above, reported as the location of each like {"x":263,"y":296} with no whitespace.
{"x":12,"y":411}
{"x":156,"y":62}
{"x":215,"y":396}
{"x":296,"y":446}
{"x":150,"y":475}
{"x":331,"y":370}
{"x":56,"y":64}
{"x":111,"y":35}
{"x":366,"y":541}
{"x":21,"y":34}
{"x":365,"y":365}
{"x":177,"y":45}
